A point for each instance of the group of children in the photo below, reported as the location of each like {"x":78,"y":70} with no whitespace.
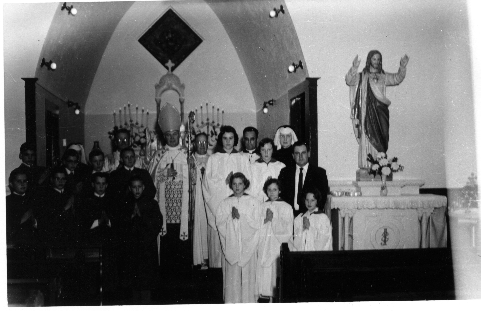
{"x":83,"y":206}
{"x":251,"y":235}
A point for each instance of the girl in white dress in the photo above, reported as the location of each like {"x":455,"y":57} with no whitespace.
{"x":276,"y":229}
{"x":312,"y":230}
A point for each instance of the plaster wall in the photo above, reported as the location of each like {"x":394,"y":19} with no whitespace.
{"x":127,"y":72}
{"x":432,"y":117}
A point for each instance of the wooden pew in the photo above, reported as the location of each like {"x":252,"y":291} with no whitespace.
{"x":366,"y":275}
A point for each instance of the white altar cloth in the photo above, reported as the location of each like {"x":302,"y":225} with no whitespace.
{"x":404,"y":221}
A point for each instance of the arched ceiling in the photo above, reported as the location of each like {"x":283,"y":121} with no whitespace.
{"x":265,"y":46}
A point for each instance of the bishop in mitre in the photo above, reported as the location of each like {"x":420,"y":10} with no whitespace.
{"x":169,"y":171}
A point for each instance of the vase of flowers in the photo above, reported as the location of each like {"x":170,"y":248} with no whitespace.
{"x":383,"y":166}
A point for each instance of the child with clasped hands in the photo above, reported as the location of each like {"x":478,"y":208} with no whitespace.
{"x":312,"y":230}
{"x":238,"y":220}
{"x":276,"y":229}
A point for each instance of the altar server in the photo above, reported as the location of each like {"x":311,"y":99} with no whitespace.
{"x":276,"y":229}
{"x":221,"y":165}
{"x":238,"y":220}
{"x":312,"y":229}
{"x":264,"y":168}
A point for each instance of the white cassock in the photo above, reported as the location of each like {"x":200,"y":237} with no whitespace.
{"x":271,"y":235}
{"x":319,"y":235}
{"x":172,"y":192}
{"x":219,"y":165}
{"x":239,"y":239}
{"x":250,"y":155}
{"x":201,"y":252}
{"x":261,"y":171}
{"x":112,"y":161}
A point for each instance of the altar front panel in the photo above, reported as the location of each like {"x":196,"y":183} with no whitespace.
{"x":392,"y":222}
{"x":385,"y":229}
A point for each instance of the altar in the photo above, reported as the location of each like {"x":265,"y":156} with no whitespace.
{"x":400,"y":220}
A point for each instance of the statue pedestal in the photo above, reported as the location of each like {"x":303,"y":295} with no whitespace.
{"x":394,"y":187}
{"x":373,"y":187}
{"x":363,"y":175}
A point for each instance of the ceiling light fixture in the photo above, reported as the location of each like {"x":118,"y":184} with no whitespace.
{"x":265,"y":109}
{"x":71,"y":10}
{"x":50,"y":65}
{"x":275,"y":12}
{"x":293,"y":68}
{"x":76,"y":105}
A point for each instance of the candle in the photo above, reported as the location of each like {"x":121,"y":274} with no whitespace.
{"x":201,"y":115}
{"x":213,"y":121}
{"x":218,"y":117}
{"x":125,"y":116}
{"x":130,"y":114}
{"x":115,"y":121}
{"x":196,"y":119}
{"x":207,"y":113}
{"x":142,"y":118}
{"x":120,"y":117}
{"x":222,"y":117}
{"x":136,"y":114}
{"x":147,"y":119}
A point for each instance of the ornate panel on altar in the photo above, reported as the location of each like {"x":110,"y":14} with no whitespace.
{"x":390,"y":222}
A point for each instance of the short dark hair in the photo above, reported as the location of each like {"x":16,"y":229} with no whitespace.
{"x":250,"y":129}
{"x":300,"y":143}
{"x":58,"y":170}
{"x":241,"y":176}
{"x":317,"y":195}
{"x":269,"y":182}
{"x":125,"y":150}
{"x":95,"y":153}
{"x":94,"y":176}
{"x":136,"y":177}
{"x":70,"y":153}
{"x":27,"y":146}
{"x":265,"y":141}
{"x":122,"y":130}
{"x":15,"y":173}
{"x":227,"y":129}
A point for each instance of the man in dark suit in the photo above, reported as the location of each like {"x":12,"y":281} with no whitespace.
{"x":294,"y":179}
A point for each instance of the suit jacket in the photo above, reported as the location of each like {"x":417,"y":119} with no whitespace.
{"x":119,"y":184}
{"x":315,"y":176}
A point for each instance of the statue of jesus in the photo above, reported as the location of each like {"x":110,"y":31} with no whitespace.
{"x":369,"y":105}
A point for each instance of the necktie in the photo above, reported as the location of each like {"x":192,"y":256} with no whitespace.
{"x":202,"y":171}
{"x":299,"y":188}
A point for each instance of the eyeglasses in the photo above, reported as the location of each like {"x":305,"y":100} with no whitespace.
{"x":122,"y":140}
{"x":60,"y":178}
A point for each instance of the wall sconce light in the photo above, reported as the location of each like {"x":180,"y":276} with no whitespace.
{"x":275,"y":12}
{"x":292,"y":68}
{"x":72,"y":104}
{"x":50,"y":65}
{"x":71,"y":10}
{"x":270,"y":102}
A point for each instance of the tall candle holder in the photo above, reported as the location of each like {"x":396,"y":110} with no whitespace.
{"x":211,"y":126}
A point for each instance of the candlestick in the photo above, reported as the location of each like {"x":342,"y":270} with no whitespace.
{"x":207,"y":114}
{"x":120,"y":117}
{"x":201,"y":115}
{"x":142,"y":119}
{"x":196,"y":119}
{"x":222,"y":117}
{"x":213,"y":121}
{"x":130,"y":114}
{"x":147,"y":119}
{"x":218,"y":117}
{"x":136,"y":115}
{"x":115,"y":121}
{"x":125,"y":116}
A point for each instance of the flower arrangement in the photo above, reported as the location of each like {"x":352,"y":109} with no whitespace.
{"x":382,"y":165}
{"x":469,"y":193}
